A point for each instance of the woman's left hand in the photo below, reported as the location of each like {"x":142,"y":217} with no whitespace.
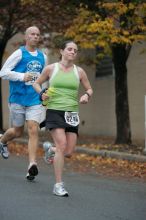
{"x":84,"y":99}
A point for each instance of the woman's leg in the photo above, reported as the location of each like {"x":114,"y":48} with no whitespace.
{"x":60,"y":141}
{"x":71,"y":139}
{"x":71,"y":143}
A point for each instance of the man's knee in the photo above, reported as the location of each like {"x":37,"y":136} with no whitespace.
{"x":33,"y":129}
{"x":18,"y":132}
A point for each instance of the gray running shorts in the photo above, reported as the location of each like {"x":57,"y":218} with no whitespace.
{"x":19,"y":114}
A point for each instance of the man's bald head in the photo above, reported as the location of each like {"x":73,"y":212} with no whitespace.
{"x":32,"y":37}
{"x":31,"y":29}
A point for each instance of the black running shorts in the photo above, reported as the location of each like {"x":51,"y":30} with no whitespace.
{"x":56,"y":119}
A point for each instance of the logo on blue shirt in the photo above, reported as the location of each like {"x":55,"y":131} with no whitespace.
{"x":34,"y":66}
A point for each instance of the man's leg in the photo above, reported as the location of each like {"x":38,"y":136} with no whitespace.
{"x":17,"y":116}
{"x":32,"y":127}
{"x":33,"y":118}
{"x":12,"y":133}
{"x":9,"y":135}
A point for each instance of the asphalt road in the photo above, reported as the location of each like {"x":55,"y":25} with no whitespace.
{"x":91,"y":197}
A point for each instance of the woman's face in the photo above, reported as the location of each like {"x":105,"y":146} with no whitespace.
{"x":70,"y":51}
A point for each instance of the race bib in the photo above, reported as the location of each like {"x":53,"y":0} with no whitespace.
{"x":72,"y":118}
{"x":35,"y":75}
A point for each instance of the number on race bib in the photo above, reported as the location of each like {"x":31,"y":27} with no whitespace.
{"x":72,"y":118}
{"x":35,"y":75}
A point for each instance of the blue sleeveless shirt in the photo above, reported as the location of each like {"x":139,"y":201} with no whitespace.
{"x":23,"y":93}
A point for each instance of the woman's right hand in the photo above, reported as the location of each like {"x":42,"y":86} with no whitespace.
{"x":45,"y":96}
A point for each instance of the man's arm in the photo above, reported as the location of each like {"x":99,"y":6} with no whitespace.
{"x":6,"y":71}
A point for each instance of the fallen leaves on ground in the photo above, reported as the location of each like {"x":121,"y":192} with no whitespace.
{"x":108,"y":166}
{"x":98,"y":165}
{"x":108,"y":143}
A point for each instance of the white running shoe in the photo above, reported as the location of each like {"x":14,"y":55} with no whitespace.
{"x":49,"y":154}
{"x":59,"y":190}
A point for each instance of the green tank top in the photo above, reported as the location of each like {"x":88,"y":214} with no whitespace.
{"x":63,"y":90}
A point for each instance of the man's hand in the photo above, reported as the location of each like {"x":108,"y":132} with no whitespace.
{"x":28,"y":77}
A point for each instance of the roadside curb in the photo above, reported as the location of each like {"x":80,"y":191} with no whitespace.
{"x":112,"y":154}
{"x":102,"y":153}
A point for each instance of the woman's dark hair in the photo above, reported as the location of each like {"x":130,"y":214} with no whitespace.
{"x":64,"y":44}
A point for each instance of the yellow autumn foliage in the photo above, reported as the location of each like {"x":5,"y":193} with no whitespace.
{"x":91,"y":29}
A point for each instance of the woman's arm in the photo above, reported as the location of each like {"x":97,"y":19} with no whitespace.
{"x":45,"y":75}
{"x":86,"y":84}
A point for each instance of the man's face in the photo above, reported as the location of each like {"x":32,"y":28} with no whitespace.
{"x":32,"y":36}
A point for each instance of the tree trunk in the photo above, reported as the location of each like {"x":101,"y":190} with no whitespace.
{"x":2,"y":48}
{"x":121,"y":95}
